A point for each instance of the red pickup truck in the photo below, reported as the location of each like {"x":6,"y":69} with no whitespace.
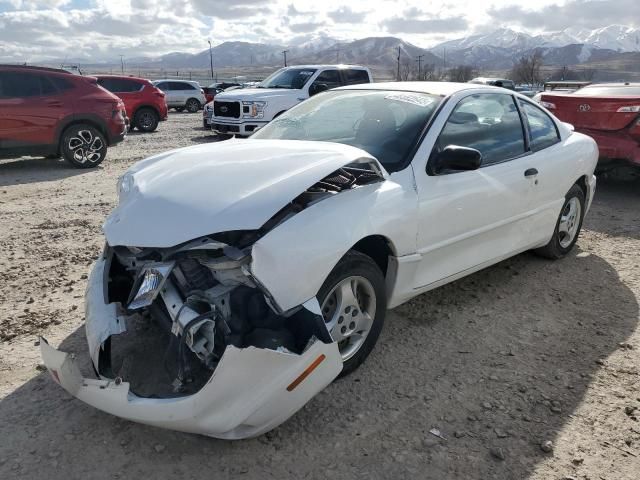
{"x":609,"y":113}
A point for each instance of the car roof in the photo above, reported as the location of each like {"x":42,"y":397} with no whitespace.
{"x":337,"y":65}
{"x":613,"y":85}
{"x":35,"y":68}
{"x":123,"y":77}
{"x":435,"y":88}
{"x":174,"y":80}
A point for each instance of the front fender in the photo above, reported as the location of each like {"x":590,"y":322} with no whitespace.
{"x":293,"y":260}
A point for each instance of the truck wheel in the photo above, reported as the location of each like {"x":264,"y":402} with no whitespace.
{"x":146,"y":120}
{"x":193,"y":105}
{"x":83,"y":146}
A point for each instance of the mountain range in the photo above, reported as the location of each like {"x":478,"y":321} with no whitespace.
{"x":494,"y":50}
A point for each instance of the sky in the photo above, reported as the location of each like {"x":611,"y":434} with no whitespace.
{"x":40,"y":30}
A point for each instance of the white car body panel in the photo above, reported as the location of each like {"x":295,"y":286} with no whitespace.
{"x":439,"y":228}
{"x":232,"y":185}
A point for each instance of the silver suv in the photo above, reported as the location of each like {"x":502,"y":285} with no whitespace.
{"x":182,"y":94}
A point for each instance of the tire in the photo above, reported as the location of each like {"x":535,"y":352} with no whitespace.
{"x":192,"y":105}
{"x":146,"y":120}
{"x":343,"y":313}
{"x":205,"y":125}
{"x":83,"y":146}
{"x":568,"y":226}
{"x":179,"y":109}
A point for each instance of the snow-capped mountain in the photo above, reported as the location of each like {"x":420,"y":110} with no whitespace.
{"x":501,"y":38}
{"x":614,"y":37}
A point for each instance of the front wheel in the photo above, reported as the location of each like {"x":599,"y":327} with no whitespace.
{"x":83,"y":146}
{"x":192,"y":105}
{"x":353,"y":303}
{"x":567,"y":227}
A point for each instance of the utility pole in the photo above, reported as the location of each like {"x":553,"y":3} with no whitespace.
{"x":122,"y":64}
{"x":210,"y":58}
{"x":284,"y":52}
{"x":419,"y":60}
{"x":398,"y":76}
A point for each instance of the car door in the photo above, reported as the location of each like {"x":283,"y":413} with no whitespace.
{"x":30,"y":108}
{"x":470,"y":219}
{"x":549,"y":162}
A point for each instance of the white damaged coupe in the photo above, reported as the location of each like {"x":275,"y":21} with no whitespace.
{"x":240,"y":278}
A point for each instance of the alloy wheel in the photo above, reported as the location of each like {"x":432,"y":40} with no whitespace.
{"x":86,"y":147}
{"x":348,"y":311}
{"x":569,"y":222}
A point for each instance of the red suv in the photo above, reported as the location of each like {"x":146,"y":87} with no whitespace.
{"x":45,"y":111}
{"x":145,"y":104}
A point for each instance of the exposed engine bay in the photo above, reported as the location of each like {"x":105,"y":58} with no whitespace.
{"x":196,"y":300}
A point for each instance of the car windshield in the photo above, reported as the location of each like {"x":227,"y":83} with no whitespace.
{"x":386,"y":124}
{"x":288,"y":78}
{"x":610,"y":91}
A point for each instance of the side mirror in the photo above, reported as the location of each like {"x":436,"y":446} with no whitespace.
{"x":316,"y":88}
{"x":456,"y":158}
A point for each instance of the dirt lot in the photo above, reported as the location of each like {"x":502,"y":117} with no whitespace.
{"x":524,"y":352}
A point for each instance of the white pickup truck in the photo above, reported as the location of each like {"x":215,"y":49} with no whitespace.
{"x":241,"y":112}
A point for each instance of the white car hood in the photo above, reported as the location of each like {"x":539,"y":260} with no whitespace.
{"x":263,"y":94}
{"x":184,"y":194}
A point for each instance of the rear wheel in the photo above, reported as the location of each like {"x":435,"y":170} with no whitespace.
{"x":146,"y":120}
{"x":568,"y":226}
{"x":353,"y":303}
{"x":83,"y":146}
{"x":192,"y":105}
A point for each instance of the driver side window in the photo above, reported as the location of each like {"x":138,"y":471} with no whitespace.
{"x":487,"y":122}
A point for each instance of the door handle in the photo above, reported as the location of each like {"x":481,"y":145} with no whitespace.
{"x":530,"y":172}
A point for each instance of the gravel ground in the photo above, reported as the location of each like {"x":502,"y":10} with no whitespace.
{"x":528,"y":369}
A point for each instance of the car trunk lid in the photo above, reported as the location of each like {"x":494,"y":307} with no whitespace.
{"x":595,"y":113}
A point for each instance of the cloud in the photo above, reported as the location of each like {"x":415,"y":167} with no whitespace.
{"x":346,"y":15}
{"x":424,"y":26}
{"x":574,"y":13}
{"x":232,"y":9}
{"x":304,"y":27}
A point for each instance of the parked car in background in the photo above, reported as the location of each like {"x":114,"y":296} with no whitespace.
{"x":215,"y":88}
{"x":496,"y":82}
{"x":182,"y":94}
{"x":264,"y":268}
{"x":559,"y":87}
{"x":607,"y":112}
{"x":244,"y":111}
{"x":526,"y":90}
{"x":51,"y":112}
{"x":145,"y":103}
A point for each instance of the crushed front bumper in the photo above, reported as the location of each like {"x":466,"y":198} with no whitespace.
{"x":251,"y":391}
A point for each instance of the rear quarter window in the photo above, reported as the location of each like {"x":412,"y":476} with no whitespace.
{"x":355,"y":77}
{"x":542,"y":129}
{"x":181,"y":86}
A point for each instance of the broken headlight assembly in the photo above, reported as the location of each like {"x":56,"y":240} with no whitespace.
{"x":148,"y":285}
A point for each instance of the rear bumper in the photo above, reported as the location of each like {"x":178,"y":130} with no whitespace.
{"x":248,"y":394}
{"x":616,"y":145}
{"x":117,"y":131}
